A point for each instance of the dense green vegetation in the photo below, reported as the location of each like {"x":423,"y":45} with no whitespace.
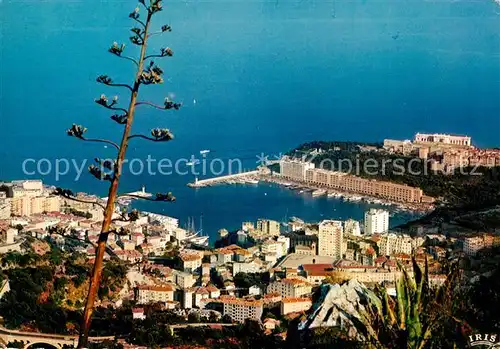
{"x":28,"y":303}
{"x":77,"y":213}
{"x":39,"y":284}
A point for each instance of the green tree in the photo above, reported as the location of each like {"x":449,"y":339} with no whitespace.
{"x":226,"y":319}
{"x":193,"y":318}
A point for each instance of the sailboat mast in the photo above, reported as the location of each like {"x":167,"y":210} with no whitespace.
{"x":201,"y":224}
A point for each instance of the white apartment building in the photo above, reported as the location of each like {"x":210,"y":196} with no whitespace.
{"x":247,"y":226}
{"x":294,"y":169}
{"x":29,"y":205}
{"x":351,"y":227}
{"x":190,"y":262}
{"x":443,"y":138}
{"x":391,"y":243}
{"x":182,"y":279}
{"x":246,"y":267}
{"x":154,"y":293}
{"x":179,"y":234}
{"x":7,"y":236}
{"x":290,"y":287}
{"x":285,"y":244}
{"x":268,"y":227}
{"x":294,"y":305}
{"x":473,"y":244}
{"x":224,"y":255}
{"x":27,"y":188}
{"x":376,"y":221}
{"x":5,"y":208}
{"x":187,"y":298}
{"x":330,"y":236}
{"x":272,"y":247}
{"x":51,"y":204}
{"x":240,"y":309}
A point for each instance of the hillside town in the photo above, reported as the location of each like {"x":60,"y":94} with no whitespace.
{"x":263,"y":267}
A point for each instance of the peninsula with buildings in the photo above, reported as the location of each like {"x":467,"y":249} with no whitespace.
{"x":433,"y":170}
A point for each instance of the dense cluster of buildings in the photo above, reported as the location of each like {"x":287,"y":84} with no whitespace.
{"x":305,"y":172}
{"x":206,"y":280}
{"x":26,"y":198}
{"x":445,"y":152}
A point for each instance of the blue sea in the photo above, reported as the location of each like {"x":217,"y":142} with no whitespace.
{"x":255,"y":77}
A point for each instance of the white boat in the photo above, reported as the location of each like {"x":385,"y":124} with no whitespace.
{"x":318,"y":192}
{"x":252,"y":181}
{"x":205,"y":151}
{"x":200,"y":241}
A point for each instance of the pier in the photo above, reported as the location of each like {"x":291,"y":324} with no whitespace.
{"x":141,"y":194}
{"x":198,"y":183}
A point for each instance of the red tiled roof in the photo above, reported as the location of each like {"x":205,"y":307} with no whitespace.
{"x":160,"y":288}
{"x":294,"y":281}
{"x":317,"y":269}
{"x":296,"y":300}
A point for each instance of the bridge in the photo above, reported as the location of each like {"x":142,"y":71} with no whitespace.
{"x":34,"y":340}
{"x":201,"y":324}
{"x":37,"y":340}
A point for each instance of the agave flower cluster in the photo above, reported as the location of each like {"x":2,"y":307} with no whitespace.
{"x":99,"y":174}
{"x":63,"y":192}
{"x":162,"y":134}
{"x":103,"y":100}
{"x":104,"y":79}
{"x":164,"y":197}
{"x":107,"y":164}
{"x":169,"y":104}
{"x":155,"y":6}
{"x":133,"y":215}
{"x":166,"y":52}
{"x":135,"y":14}
{"x":117,"y":49}
{"x":120,"y":119}
{"x":151,"y":75}
{"x":138,"y":38}
{"x":76,"y":131}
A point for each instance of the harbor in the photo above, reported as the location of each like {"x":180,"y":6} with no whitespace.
{"x":315,"y":190}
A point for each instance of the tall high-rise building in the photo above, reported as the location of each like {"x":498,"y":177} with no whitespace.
{"x":330,"y":235}
{"x":268,"y":227}
{"x":376,"y":221}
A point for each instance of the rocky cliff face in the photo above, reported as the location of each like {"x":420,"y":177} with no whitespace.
{"x":338,"y":306}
